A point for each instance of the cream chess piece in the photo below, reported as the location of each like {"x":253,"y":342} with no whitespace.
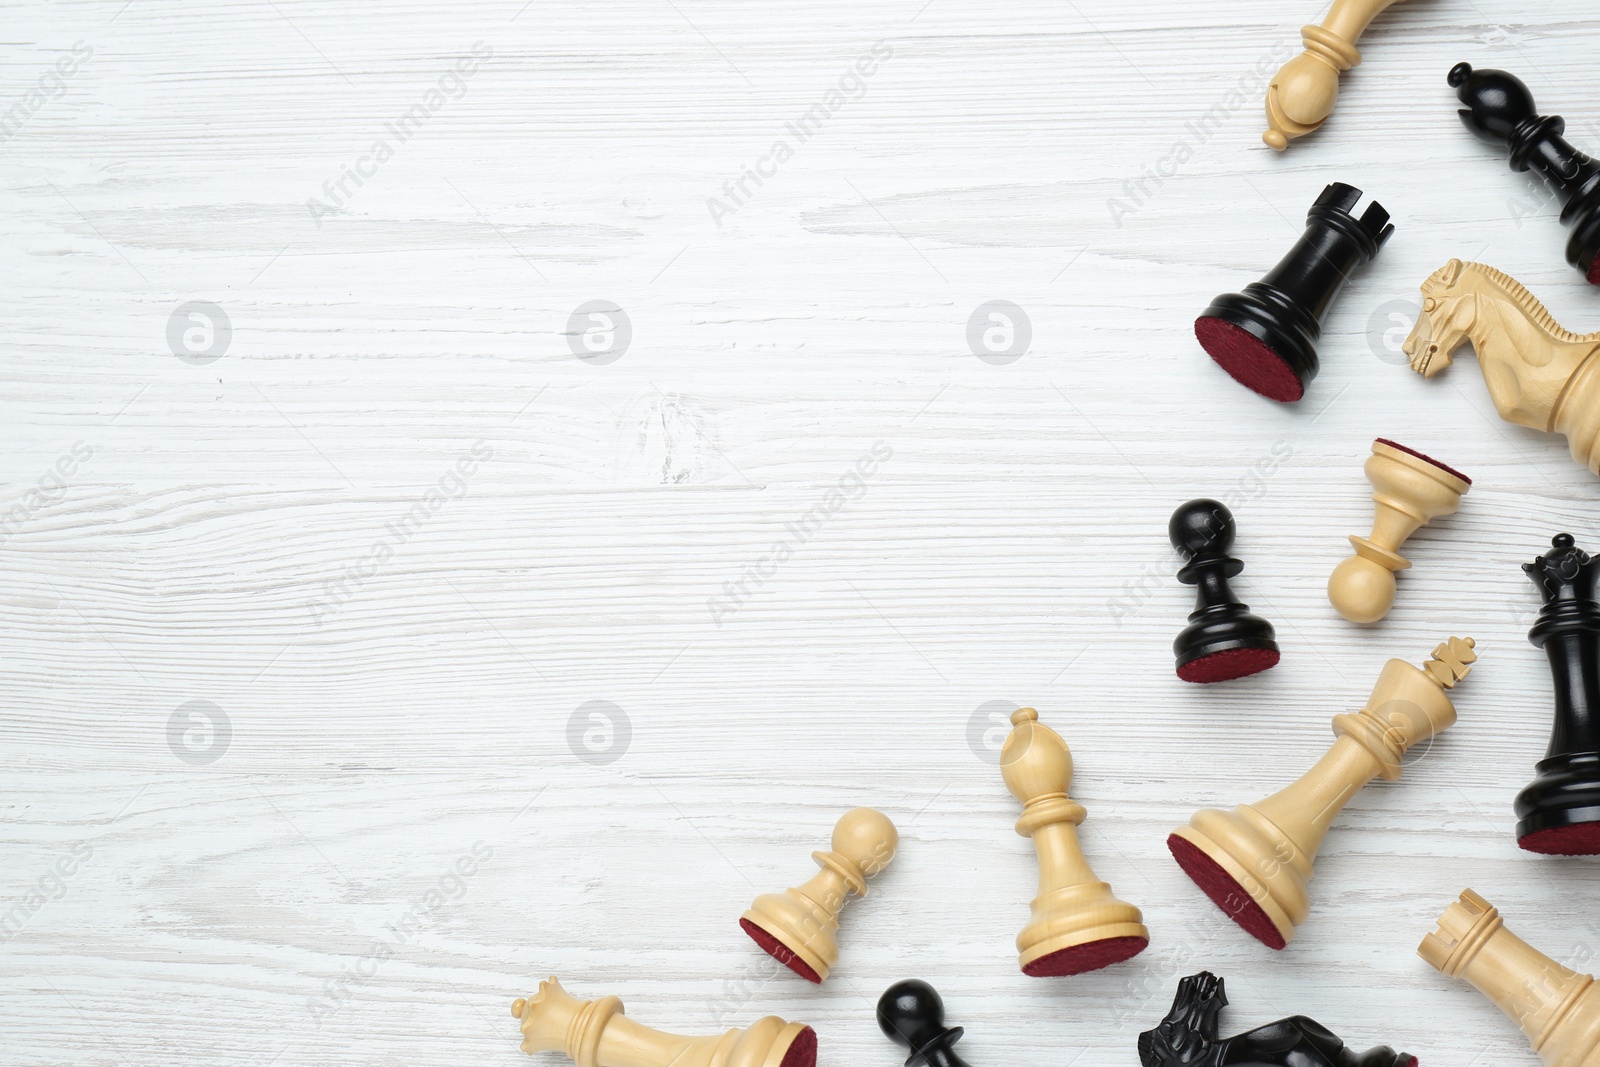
{"x":1078,"y":925}
{"x":1303,"y":92}
{"x":595,"y":1033}
{"x":1558,"y":1008}
{"x":1255,"y":862}
{"x":1539,"y":374}
{"x":1410,"y":491}
{"x":800,"y":927}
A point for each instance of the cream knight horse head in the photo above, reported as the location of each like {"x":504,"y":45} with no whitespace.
{"x":1449,"y":310}
{"x":1538,"y":373}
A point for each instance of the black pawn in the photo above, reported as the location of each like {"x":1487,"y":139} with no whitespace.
{"x":1500,"y":109}
{"x":1266,"y":336}
{"x":1223,"y":640}
{"x":911,"y":1014}
{"x":1559,"y":813}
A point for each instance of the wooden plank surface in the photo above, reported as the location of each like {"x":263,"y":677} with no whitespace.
{"x":400,"y":538}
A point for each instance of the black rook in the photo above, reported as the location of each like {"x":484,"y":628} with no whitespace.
{"x":1266,"y":336}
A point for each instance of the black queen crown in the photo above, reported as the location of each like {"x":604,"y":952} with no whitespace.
{"x":1559,"y":813}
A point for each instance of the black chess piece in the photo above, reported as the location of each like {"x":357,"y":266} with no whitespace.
{"x":1500,"y":109}
{"x":1266,"y":336}
{"x":911,"y":1013}
{"x":1223,"y":640}
{"x":1559,"y":813}
{"x":1187,"y":1037}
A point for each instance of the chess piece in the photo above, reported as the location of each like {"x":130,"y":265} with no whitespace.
{"x":1255,"y":862}
{"x":800,"y":927}
{"x":1500,"y":110}
{"x":1187,"y":1037}
{"x":1558,"y":1008}
{"x":1410,"y":491}
{"x":1559,"y":813}
{"x":595,"y":1033}
{"x":1077,"y":924}
{"x":1266,"y":336}
{"x":1223,"y":640}
{"x":1538,"y":373}
{"x":1301,"y":95}
{"x":911,"y":1014}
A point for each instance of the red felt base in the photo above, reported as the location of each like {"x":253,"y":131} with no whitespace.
{"x":1080,"y":959}
{"x":1594,"y":271}
{"x":1424,"y":458}
{"x":1250,"y":360}
{"x":1411,"y":1061}
{"x":803,"y":1052}
{"x":781,"y":952}
{"x":1579,"y":839}
{"x":1224,"y":892}
{"x":1226,"y":666}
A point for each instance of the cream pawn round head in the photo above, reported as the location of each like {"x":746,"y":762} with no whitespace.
{"x":1361,"y":590}
{"x":866,"y":838}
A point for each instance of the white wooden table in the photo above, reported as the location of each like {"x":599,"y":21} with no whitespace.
{"x":397,"y":537}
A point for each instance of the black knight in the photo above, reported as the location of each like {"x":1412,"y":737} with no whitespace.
{"x":1187,"y":1037}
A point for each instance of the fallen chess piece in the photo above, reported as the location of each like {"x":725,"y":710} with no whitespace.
{"x":1187,"y":1037}
{"x":1256,"y":861}
{"x":1266,"y":336}
{"x":595,"y":1033}
{"x":1559,"y":813}
{"x":1078,"y":924}
{"x":911,"y":1014}
{"x":1558,"y":1008}
{"x":1410,"y":491}
{"x":1223,"y":640}
{"x":1538,"y":373}
{"x":1302,"y":94}
{"x":800,"y":927}
{"x":1500,"y":109}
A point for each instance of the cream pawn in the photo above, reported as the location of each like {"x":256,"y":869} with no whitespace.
{"x":1410,"y":490}
{"x":800,"y":927}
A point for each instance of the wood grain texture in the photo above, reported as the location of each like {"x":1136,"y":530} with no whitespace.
{"x":399,"y":671}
